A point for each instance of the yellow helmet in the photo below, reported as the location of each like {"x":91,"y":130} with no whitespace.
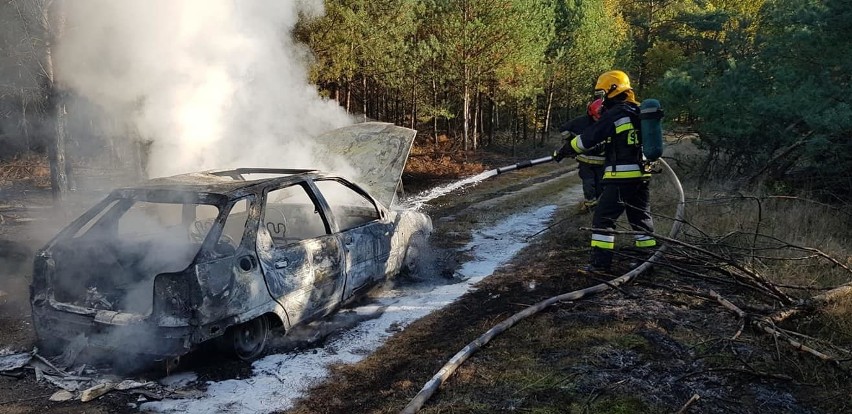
{"x":613,"y":83}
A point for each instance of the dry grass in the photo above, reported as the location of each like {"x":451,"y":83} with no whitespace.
{"x":436,"y":165}
{"x":433,"y":161}
{"x":772,"y":235}
{"x":775,"y":236}
{"x":763,"y":229}
{"x":29,"y":169}
{"x":446,"y":159}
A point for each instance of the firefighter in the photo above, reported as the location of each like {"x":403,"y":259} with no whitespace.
{"x":591,"y":163}
{"x":625,"y":178}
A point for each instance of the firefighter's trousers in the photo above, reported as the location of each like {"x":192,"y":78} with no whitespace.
{"x":591,"y":175}
{"x":629,"y":196}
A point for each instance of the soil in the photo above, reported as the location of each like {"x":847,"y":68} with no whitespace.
{"x":644,"y":347}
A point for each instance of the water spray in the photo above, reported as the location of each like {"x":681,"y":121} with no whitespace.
{"x":418,"y":201}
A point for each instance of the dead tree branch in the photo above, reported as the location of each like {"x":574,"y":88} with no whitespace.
{"x":780,"y":156}
{"x":784,"y":298}
{"x":813,"y":303}
{"x":769,"y":328}
{"x":692,"y":400}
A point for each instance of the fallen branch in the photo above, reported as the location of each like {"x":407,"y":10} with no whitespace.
{"x":695,"y":397}
{"x":768,"y":328}
{"x":813,"y":303}
{"x":737,"y":281}
{"x":751,"y":274}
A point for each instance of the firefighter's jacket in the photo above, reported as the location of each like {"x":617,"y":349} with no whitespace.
{"x":594,"y":156}
{"x":618,"y":131}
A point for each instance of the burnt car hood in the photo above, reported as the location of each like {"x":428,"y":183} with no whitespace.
{"x":376,"y":150}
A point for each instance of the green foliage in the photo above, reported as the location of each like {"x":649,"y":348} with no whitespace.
{"x":589,"y":40}
{"x":484,"y":42}
{"x":773,"y":83}
{"x":753,"y":78}
{"x":358,"y":36}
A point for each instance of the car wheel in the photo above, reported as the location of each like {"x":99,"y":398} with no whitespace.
{"x":247,"y":340}
{"x":415,"y":254}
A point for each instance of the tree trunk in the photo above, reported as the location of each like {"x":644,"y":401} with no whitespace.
{"x":348,"y":95}
{"x":385,"y":115}
{"x":516,"y":120}
{"x":451,"y":129}
{"x":465,"y":75}
{"x":398,"y":108}
{"x":534,"y":131}
{"x":414,"y":104}
{"x":481,"y":133}
{"x":466,"y":107}
{"x":56,"y":149}
{"x":365,"y":97}
{"x":435,"y":108}
{"x":475,"y":122}
{"x":25,"y":125}
{"x":493,"y":120}
{"x":549,"y":107}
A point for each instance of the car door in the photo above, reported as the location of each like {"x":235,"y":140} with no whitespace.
{"x":229,"y":279}
{"x":363,"y":230}
{"x":301,"y":259}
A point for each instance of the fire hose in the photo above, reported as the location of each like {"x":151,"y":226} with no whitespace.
{"x":523,"y":164}
{"x":450,"y":367}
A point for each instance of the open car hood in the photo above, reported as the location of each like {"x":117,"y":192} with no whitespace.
{"x":376,"y":150}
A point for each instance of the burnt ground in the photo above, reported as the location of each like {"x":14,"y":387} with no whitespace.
{"x":645,"y":347}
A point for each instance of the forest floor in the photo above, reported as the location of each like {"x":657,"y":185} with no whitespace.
{"x":647,"y":347}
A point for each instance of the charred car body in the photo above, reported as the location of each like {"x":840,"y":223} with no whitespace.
{"x":160,"y":268}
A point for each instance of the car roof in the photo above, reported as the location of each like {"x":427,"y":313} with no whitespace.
{"x":228,"y":183}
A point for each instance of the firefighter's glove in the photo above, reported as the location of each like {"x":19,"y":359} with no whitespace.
{"x":566,"y":151}
{"x":652,"y":167}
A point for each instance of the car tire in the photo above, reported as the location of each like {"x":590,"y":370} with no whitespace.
{"x":247,"y":341}
{"x":412,"y":263}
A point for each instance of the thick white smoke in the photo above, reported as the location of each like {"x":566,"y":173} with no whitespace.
{"x":213,"y":83}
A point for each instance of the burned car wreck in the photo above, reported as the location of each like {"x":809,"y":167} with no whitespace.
{"x":160,"y":268}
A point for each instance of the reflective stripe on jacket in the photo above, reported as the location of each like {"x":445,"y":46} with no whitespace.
{"x":592,"y":159}
{"x":618,"y":131}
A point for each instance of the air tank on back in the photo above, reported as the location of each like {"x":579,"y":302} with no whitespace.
{"x":652,"y":128}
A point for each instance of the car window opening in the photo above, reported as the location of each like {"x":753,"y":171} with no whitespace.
{"x":350,"y":208}
{"x":290,"y":216}
{"x":111,"y":261}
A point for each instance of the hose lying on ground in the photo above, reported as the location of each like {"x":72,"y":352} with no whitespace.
{"x":433,"y":384}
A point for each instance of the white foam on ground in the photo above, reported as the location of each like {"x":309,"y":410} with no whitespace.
{"x":278,"y":380}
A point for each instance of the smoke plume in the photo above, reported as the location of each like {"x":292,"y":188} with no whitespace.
{"x":212,"y":83}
